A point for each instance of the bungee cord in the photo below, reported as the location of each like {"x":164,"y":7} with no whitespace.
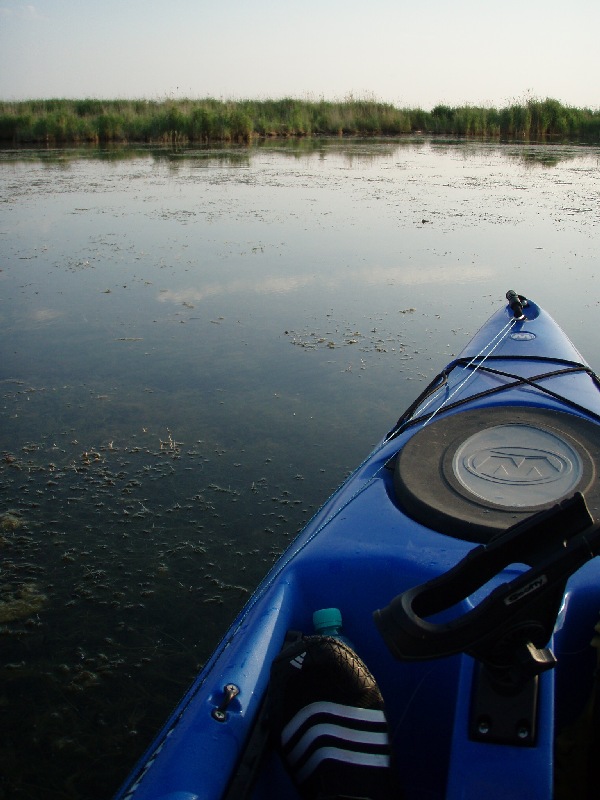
{"x":479,"y":360}
{"x":415,"y":412}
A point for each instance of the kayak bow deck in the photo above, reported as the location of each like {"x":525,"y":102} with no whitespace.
{"x":469,"y":532}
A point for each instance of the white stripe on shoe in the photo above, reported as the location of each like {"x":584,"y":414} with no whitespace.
{"x":345,"y":756}
{"x":368,"y":715}
{"x":339,"y":732}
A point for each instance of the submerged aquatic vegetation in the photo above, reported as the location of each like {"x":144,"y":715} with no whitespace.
{"x":113,"y":535}
{"x":10,"y":522}
{"x":211,"y":120}
{"x":25,"y":602}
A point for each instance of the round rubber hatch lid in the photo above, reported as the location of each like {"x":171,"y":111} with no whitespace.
{"x":474,"y":474}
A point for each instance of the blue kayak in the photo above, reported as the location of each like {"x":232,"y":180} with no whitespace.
{"x":461,"y":554}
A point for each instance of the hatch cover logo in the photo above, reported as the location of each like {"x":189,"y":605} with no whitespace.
{"x":518,"y":465}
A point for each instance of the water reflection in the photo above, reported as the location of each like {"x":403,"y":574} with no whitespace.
{"x":449,"y":274}
{"x":354,"y":151}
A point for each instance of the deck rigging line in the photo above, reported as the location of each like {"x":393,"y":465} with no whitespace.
{"x":483,"y":355}
{"x":441,"y":381}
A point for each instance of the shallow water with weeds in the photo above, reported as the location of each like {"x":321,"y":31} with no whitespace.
{"x":197,"y":346}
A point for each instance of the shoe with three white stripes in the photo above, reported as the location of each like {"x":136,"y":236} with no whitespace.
{"x":328,"y":717}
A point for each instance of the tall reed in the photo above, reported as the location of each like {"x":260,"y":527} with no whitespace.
{"x":60,"y":121}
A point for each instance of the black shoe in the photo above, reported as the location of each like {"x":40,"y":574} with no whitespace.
{"x":327,"y":714}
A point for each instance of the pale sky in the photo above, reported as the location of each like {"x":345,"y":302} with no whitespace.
{"x":409,"y":53}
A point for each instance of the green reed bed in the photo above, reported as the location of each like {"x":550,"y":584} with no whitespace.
{"x":209,"y":120}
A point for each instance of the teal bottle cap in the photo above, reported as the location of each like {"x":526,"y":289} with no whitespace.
{"x":327,"y":618}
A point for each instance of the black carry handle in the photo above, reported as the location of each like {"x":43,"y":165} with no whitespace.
{"x":517,"y":303}
{"x":510,"y":628}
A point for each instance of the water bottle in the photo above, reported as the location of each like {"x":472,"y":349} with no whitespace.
{"x":328,"y":622}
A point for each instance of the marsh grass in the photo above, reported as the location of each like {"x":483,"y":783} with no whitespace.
{"x":62,"y":121}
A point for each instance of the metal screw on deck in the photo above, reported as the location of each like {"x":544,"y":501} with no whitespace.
{"x":230,"y":690}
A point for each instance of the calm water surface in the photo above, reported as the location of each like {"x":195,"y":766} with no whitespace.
{"x":196,"y":348}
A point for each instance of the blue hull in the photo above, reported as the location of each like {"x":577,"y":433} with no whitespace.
{"x":374,"y":540}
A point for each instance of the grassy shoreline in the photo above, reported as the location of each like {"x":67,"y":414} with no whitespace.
{"x":64,"y":121}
